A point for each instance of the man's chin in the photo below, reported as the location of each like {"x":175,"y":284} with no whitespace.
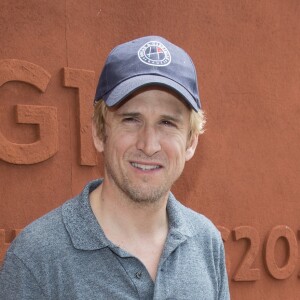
{"x":147,"y":196}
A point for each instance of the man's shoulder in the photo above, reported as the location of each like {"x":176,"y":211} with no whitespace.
{"x":42,"y":236}
{"x":198,"y":223}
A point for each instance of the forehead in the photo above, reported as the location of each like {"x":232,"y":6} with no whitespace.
{"x":155,"y":99}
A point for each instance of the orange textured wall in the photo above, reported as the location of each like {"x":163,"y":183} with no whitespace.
{"x":245,"y":175}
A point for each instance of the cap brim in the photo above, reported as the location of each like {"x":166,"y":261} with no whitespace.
{"x":127,"y":87}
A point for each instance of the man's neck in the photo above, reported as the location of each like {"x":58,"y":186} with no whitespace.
{"x":141,"y":230}
{"x":126,"y":216}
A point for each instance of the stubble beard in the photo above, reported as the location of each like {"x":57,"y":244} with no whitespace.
{"x":139,"y":194}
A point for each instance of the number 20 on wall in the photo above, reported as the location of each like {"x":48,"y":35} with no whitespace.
{"x":245,"y":270}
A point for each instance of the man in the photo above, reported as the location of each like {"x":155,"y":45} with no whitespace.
{"x":126,"y":236}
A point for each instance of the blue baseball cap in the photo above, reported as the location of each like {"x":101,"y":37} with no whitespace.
{"x":150,"y":60}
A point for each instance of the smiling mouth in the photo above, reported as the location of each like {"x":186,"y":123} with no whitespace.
{"x":145,"y":167}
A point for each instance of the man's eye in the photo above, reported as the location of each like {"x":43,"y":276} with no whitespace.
{"x":130,"y":120}
{"x":168,"y":123}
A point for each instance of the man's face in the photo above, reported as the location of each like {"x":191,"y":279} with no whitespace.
{"x":146,"y":145}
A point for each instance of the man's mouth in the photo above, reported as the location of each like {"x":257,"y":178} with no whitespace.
{"x":145,"y":167}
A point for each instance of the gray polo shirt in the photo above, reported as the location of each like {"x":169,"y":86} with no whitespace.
{"x":65,"y":255}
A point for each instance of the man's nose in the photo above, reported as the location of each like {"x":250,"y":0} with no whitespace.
{"x":148,"y":140}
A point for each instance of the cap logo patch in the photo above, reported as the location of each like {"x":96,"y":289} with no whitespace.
{"x":154,"y":53}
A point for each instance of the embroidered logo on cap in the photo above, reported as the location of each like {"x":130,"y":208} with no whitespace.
{"x":154,"y":54}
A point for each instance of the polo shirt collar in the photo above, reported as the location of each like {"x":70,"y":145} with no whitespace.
{"x":81,"y":223}
{"x":86,"y":233}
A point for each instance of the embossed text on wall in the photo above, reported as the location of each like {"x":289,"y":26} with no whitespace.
{"x":46,"y":116}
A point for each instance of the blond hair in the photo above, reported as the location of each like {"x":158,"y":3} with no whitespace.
{"x":197,"y":120}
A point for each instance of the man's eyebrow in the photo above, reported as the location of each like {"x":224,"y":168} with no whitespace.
{"x":128,"y":114}
{"x":177,"y":118}
{"x":174,"y":118}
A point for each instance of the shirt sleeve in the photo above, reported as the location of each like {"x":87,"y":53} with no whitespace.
{"x":223,"y":278}
{"x":17,"y":281}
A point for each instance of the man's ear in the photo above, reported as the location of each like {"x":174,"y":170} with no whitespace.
{"x":191,"y":147}
{"x":98,"y":142}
